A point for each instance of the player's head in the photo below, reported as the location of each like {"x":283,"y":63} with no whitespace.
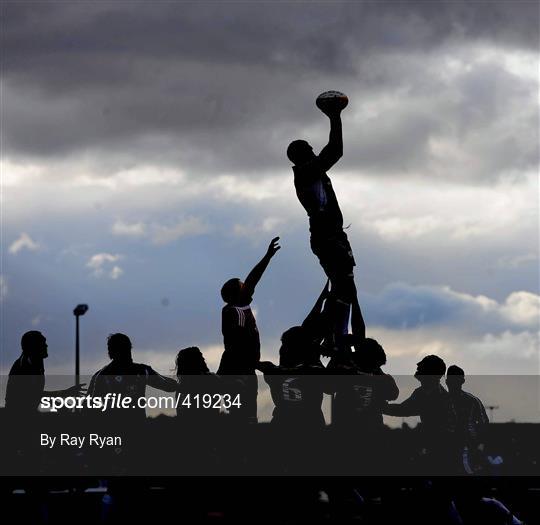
{"x":299,"y":151}
{"x":430,"y":369}
{"x":455,"y":377}
{"x":294,"y":347}
{"x":119,"y":347}
{"x":34,"y":344}
{"x":231,"y":291}
{"x":369,"y":355}
{"x":190,"y":361}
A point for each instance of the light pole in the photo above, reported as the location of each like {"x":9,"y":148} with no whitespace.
{"x":79,"y":310}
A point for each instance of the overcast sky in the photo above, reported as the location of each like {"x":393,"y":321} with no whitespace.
{"x":143,"y":164}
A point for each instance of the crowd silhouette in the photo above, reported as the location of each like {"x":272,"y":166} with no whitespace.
{"x":453,"y":422}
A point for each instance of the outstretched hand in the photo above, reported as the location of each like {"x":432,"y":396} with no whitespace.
{"x":273,"y":247}
{"x":332,"y":112}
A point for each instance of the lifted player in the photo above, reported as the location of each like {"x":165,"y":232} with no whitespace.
{"x":314,"y":190}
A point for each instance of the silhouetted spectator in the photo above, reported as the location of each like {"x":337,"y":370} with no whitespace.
{"x":241,"y":336}
{"x":328,"y":240}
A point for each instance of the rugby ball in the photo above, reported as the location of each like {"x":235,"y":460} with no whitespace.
{"x":332,"y":101}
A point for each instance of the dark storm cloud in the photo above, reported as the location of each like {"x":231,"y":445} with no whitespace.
{"x":225,"y":86}
{"x":402,"y":306}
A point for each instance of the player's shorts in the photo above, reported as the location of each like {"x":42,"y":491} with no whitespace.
{"x":334,"y":253}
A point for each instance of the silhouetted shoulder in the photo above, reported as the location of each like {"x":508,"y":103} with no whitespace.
{"x":308,"y":171}
{"x":471,"y":398}
{"x":142,"y":369}
{"x":24,"y":366}
{"x":388,"y":386}
{"x":477,"y":407}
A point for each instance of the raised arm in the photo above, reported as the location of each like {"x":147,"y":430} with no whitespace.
{"x":357,"y":320}
{"x":333,"y":151}
{"x":255,"y":275}
{"x":314,"y":317}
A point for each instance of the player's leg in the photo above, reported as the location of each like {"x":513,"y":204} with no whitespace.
{"x":339,"y":264}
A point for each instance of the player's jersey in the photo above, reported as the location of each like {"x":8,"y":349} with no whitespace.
{"x":316,"y":194}
{"x":434,"y":408}
{"x":128,"y":379}
{"x":471,"y":417}
{"x":297,"y":394}
{"x":25,"y":384}
{"x":241,"y":341}
{"x":359,"y":400}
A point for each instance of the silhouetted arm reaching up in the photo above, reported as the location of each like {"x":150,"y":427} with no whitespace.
{"x":358,"y":325}
{"x":333,"y":151}
{"x":255,"y":275}
{"x":314,"y":316}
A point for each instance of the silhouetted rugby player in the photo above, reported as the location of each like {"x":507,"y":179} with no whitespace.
{"x":296,"y":389}
{"x":196,"y":440}
{"x":123,"y":376}
{"x":471,"y":417}
{"x":362,"y":389}
{"x":194,"y":378}
{"x":26,"y":381}
{"x":298,"y":383}
{"x":328,"y":240}
{"x":431,"y":402}
{"x":241,"y":336}
{"x":471,"y":420}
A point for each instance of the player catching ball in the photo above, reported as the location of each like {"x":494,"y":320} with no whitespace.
{"x":314,"y":190}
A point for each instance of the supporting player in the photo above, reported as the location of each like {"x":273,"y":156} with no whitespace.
{"x":124,"y":377}
{"x":431,"y":402}
{"x":26,"y":380}
{"x":297,"y":386}
{"x":471,"y":421}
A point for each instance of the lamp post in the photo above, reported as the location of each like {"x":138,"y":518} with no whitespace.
{"x":79,"y":310}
